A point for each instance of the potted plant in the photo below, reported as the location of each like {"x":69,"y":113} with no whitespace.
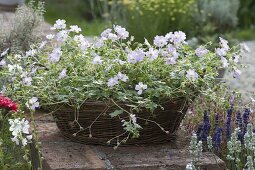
{"x":114,"y":88}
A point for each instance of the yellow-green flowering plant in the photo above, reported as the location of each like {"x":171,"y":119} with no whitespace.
{"x":70,"y":69}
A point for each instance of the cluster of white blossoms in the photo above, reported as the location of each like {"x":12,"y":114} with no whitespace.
{"x":117,"y":33}
{"x":20,"y":131}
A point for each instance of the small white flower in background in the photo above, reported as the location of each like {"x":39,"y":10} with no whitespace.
{"x":61,"y":36}
{"x":225,"y":62}
{"x":191,"y":74}
{"x":50,"y":36}
{"x":60,"y":24}
{"x":20,"y":131}
{"x":221,"y":52}
{"x":106,"y":33}
{"x":140,"y":87}
{"x":237,"y":73}
{"x":121,"y":32}
{"x":169,"y":35}
{"x":75,"y":28}
{"x":178,"y":37}
{"x":201,"y":51}
{"x":62,"y":74}
{"x":152,"y":54}
{"x":112,"y":82}
{"x":224,"y":44}
{"x":97,"y":60}
{"x":27,"y":81}
{"x":236,"y":58}
{"x":43,"y":43}
{"x":122,"y":77}
{"x":160,"y":41}
{"x":79,"y":38}
{"x":136,"y":56}
{"x":55,"y":55}
{"x":2,"y":63}
{"x":33,"y":103}
{"x":170,"y":60}
{"x":133,"y":118}
{"x":4,"y":52}
{"x":31,"y":53}
{"x":245,"y":48}
{"x":113,"y":37}
{"x":172,"y":51}
{"x":99,"y":43}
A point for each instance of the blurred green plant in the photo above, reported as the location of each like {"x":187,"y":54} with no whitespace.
{"x":220,"y":15}
{"x":18,"y":34}
{"x":213,"y":19}
{"x":75,"y":12}
{"x":246,"y":13}
{"x":148,"y":18}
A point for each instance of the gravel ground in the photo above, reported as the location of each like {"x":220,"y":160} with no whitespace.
{"x":246,"y":83}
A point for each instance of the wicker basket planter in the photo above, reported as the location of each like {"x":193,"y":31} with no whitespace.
{"x":105,"y":127}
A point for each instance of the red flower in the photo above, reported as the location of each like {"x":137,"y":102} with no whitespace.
{"x":8,"y":104}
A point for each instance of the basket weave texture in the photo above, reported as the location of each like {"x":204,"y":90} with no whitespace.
{"x":105,"y":127}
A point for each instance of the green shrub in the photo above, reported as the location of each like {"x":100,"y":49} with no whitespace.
{"x":18,"y":34}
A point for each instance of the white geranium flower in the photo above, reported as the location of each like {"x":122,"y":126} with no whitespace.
{"x":225,"y":62}
{"x":112,"y":82}
{"x":121,"y":32}
{"x":152,"y":54}
{"x":105,"y":33}
{"x":75,"y":28}
{"x":221,"y":52}
{"x":140,"y":87}
{"x":191,"y":74}
{"x":50,"y":36}
{"x":62,"y":74}
{"x":224,"y":44}
{"x":33,"y":103}
{"x":55,"y":55}
{"x":2,"y":62}
{"x":97,"y":60}
{"x":60,"y":24}
{"x":122,"y":77}
{"x":160,"y":41}
{"x":31,"y":53}
{"x":61,"y":36}
{"x":27,"y":81}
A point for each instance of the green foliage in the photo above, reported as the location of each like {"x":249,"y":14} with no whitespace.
{"x":246,"y":13}
{"x":148,"y":18}
{"x":75,"y":12}
{"x":220,"y":14}
{"x":18,"y":34}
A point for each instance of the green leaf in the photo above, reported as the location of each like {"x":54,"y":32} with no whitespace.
{"x":116,"y":113}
